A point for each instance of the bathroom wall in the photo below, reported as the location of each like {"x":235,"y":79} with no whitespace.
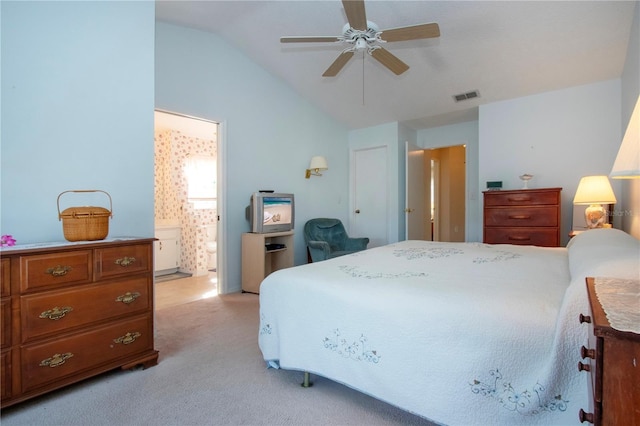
{"x":172,"y":148}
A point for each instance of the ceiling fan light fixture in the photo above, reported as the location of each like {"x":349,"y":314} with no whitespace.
{"x":361,"y":44}
{"x":361,"y":34}
{"x":352,"y":35}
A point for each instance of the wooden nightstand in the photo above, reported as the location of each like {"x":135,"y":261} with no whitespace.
{"x":612,"y":358}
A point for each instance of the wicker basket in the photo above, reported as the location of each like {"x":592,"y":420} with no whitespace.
{"x":85,"y":223}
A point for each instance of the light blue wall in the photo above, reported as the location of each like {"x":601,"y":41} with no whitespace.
{"x":271,"y":133}
{"x":631,"y":72}
{"x":461,"y":134}
{"x":77,"y":113}
{"x":557,"y":136}
{"x":630,"y":203}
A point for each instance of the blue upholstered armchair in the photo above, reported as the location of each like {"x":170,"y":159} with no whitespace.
{"x":327,"y":238}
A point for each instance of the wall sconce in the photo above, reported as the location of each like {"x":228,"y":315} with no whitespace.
{"x":627,"y":164}
{"x":317,"y":164}
{"x":594,"y":191}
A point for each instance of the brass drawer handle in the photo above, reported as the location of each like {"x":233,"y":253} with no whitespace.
{"x":127,"y":338}
{"x":128,"y":297}
{"x":56,"y":360}
{"x":516,"y":238}
{"x":519,"y":216}
{"x":58,"y":271}
{"x":56,"y":313}
{"x":125,"y":261}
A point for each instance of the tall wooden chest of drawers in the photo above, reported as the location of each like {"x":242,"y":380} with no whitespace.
{"x":525,"y":217}
{"x":74,"y":310}
{"x":612,"y":360}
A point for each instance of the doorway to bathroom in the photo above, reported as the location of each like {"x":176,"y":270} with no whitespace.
{"x":186,"y":214}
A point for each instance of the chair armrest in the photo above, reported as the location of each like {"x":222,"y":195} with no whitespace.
{"x":356,"y":244}
{"x":319,"y":250}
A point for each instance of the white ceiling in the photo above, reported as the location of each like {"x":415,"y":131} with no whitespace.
{"x":190,"y":126}
{"x":503,"y":49}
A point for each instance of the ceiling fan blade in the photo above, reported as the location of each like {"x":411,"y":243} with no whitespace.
{"x":308,"y":39}
{"x":389,"y":60}
{"x":338,"y":64}
{"x":413,"y":32}
{"x":356,"y":14}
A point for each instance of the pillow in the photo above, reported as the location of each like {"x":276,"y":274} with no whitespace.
{"x":605,"y":252}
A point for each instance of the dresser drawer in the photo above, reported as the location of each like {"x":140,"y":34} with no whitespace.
{"x":521,"y":216}
{"x":545,"y":237}
{"x":521,"y":198}
{"x":5,"y":278}
{"x":62,"y":357}
{"x":5,"y":327}
{"x":125,"y":260}
{"x":41,"y":271}
{"x":5,"y":374}
{"x":595,"y":374}
{"x":65,"y":309}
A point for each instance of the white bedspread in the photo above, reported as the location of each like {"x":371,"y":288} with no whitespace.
{"x":459,"y":333}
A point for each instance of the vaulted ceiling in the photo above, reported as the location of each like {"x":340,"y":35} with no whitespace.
{"x":502,"y":49}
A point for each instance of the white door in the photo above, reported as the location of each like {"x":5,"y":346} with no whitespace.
{"x":415,"y":192}
{"x":370,"y":199}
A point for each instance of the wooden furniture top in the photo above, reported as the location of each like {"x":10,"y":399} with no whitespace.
{"x":59,"y":246}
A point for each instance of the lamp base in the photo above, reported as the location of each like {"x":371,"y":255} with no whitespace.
{"x":595,"y":216}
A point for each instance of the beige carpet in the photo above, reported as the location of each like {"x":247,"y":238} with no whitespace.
{"x":210,"y":373}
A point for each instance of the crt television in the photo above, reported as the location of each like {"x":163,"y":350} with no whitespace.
{"x":271,"y":212}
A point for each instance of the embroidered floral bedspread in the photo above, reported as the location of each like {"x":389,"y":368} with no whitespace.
{"x":459,"y":333}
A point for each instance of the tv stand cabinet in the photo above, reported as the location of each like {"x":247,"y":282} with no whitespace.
{"x":258,"y":261}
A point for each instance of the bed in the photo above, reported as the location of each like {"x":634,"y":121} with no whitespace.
{"x":458,"y":333}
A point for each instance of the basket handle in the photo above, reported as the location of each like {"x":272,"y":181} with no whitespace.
{"x":85,"y":190}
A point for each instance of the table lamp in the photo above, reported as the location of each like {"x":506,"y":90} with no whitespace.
{"x":594,"y":191}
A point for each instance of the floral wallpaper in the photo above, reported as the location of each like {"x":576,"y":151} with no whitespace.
{"x":172,"y":148}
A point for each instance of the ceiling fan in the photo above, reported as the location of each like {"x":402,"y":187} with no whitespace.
{"x":362,"y":35}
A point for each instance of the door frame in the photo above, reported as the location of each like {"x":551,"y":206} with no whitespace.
{"x":221,"y":164}
{"x":437,"y":187}
{"x":414,"y":197}
{"x":434,"y":181}
{"x":436,"y":194}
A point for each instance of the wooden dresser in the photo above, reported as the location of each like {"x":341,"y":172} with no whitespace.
{"x":74,"y":310}
{"x":525,"y":216}
{"x":612,"y":359}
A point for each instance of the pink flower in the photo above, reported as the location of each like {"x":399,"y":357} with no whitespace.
{"x":7,"y":240}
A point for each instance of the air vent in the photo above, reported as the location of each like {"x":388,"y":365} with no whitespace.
{"x":465,"y":96}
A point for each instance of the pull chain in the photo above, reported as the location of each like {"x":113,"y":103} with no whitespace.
{"x":363,"y":78}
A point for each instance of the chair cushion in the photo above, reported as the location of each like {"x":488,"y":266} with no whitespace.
{"x":332,"y":232}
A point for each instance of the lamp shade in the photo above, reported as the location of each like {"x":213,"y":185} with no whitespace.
{"x":594,"y":190}
{"x":627,"y":164}
{"x":318,"y":163}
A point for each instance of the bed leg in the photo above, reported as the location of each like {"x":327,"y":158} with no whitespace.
{"x":306,"y":383}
